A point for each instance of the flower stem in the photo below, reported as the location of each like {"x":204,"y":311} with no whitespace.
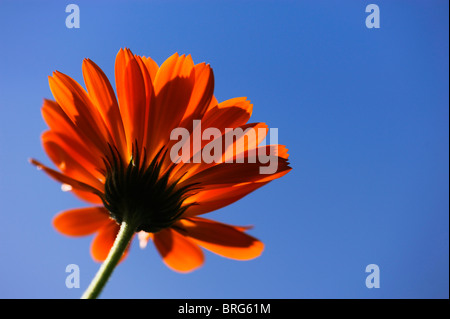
{"x":123,"y":238}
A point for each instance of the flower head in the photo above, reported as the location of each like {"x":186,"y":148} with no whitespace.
{"x":118,"y":155}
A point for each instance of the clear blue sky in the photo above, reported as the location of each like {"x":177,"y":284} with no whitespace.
{"x":364,"y":113}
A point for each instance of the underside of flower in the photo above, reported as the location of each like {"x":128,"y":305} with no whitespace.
{"x":115,"y":150}
{"x":142,"y":194}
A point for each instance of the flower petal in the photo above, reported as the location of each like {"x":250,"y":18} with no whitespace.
{"x":212,"y":104}
{"x":152,"y":67}
{"x":241,"y":139}
{"x":77,"y":105}
{"x":201,"y":96}
{"x":64,"y":179}
{"x":212,"y":199}
{"x":150,"y":99}
{"x":131,"y":93}
{"x":57,"y":119}
{"x":88,"y":197}
{"x":173,"y":86}
{"x":72,"y":159}
{"x":233,"y":142}
{"x":178,"y":252}
{"x":228,"y":114}
{"x":59,"y":122}
{"x":104,"y":240}
{"x":102,"y":95}
{"x":236,"y":173}
{"x":222,"y":239}
{"x":81,"y":221}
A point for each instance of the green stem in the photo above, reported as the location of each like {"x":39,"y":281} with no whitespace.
{"x":120,"y":245}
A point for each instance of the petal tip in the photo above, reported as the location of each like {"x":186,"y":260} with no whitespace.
{"x":38,"y":165}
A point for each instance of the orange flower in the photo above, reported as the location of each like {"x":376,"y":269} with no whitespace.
{"x":114,"y":153}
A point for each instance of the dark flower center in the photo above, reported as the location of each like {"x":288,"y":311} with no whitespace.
{"x":141,"y":194}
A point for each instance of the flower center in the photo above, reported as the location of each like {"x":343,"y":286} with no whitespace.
{"x":141,"y":194}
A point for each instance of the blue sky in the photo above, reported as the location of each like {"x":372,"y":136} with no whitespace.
{"x":364,"y":113}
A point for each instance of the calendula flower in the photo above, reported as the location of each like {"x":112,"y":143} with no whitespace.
{"x":118,"y":155}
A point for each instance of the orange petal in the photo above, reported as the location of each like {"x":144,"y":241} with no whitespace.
{"x":81,"y":221}
{"x":202,"y":94}
{"x":228,"y":114}
{"x":88,"y":197}
{"x":104,"y":240}
{"x":66,"y":179}
{"x":102,"y":95}
{"x":59,"y":122}
{"x":65,"y":153}
{"x":222,"y":239}
{"x":131,"y":93}
{"x":178,"y":252}
{"x":75,"y":102}
{"x":212,"y":104}
{"x":262,"y":154}
{"x":212,"y":199}
{"x":57,"y":119}
{"x":236,"y":173}
{"x":150,"y":97}
{"x":152,"y":67}
{"x":248,"y":136}
{"x":235,"y":142}
{"x":76,"y":150}
{"x":173,"y":86}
